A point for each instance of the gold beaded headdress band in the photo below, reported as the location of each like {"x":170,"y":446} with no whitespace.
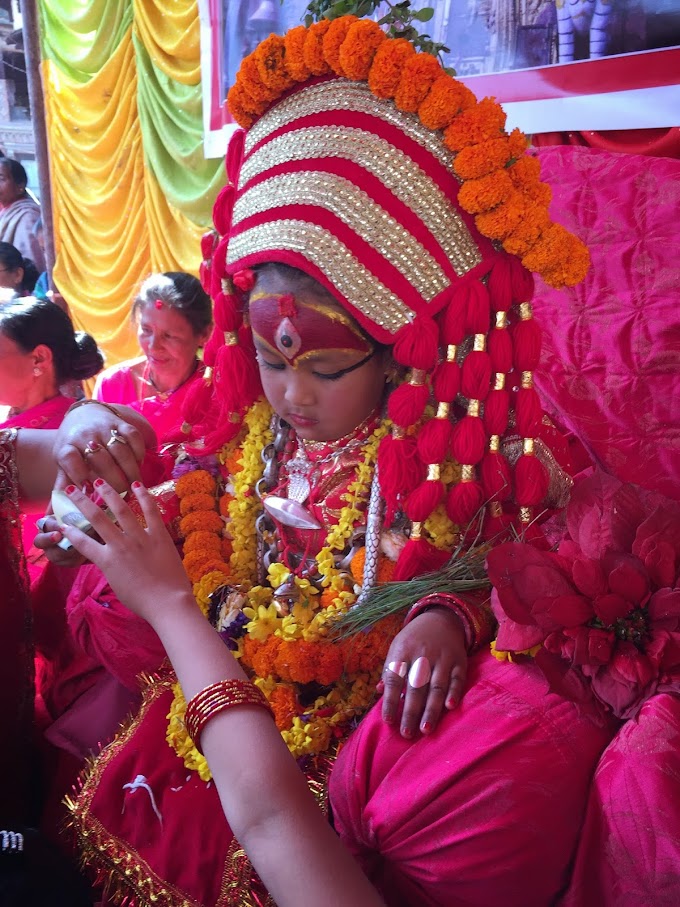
{"x":373,"y":171}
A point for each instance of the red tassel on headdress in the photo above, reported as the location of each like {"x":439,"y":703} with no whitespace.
{"x":477,"y":317}
{"x":223,"y":210}
{"x":499,"y":347}
{"x":446,"y":381}
{"x":464,"y":501}
{"x":476,"y":375}
{"x":528,"y":412}
{"x":407,"y":403}
{"x":531,"y":481}
{"x":424,"y":499}
{"x":496,"y":477}
{"x":496,"y":411}
{"x":452,"y":318}
{"x":522,"y":280}
{"x":526,"y":340}
{"x":469,"y":440}
{"x":418,"y":556}
{"x":434,"y":440}
{"x":399,"y":470}
{"x":500,"y":285}
{"x":416,"y":345}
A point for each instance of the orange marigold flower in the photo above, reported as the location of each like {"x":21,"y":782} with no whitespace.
{"x":284,"y":705}
{"x":518,"y":143}
{"x":385,"y":567}
{"x":483,"y":158}
{"x":297,"y":661}
{"x":359,"y":47}
{"x":197,"y":565}
{"x":240,"y":106}
{"x":232,"y":462}
{"x":197,"y":557}
{"x":484,"y":194}
{"x":196,"y":482}
{"x":417,"y":77}
{"x":552,"y":255}
{"x":486,"y":120}
{"x":502,"y":220}
{"x":196,"y":502}
{"x":312,"y":51}
{"x":525,"y":171}
{"x":225,"y":501}
{"x":388,"y":64}
{"x":333,"y":39}
{"x":202,"y":541}
{"x":201,"y":519}
{"x":327,"y":598}
{"x":294,"y":41}
{"x":226,"y":549}
{"x":572,"y":269}
{"x":264,"y":658}
{"x":445,"y":100}
{"x":330,"y":663}
{"x":249,"y":77}
{"x":251,"y":647}
{"x":271,"y":66}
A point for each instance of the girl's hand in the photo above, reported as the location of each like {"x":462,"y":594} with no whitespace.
{"x":141,"y":564}
{"x":48,"y":538}
{"x":433,"y":643}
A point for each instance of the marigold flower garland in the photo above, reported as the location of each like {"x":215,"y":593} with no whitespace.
{"x":284,"y":652}
{"x":500,"y":182}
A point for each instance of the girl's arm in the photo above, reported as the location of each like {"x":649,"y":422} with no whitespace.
{"x":264,"y":795}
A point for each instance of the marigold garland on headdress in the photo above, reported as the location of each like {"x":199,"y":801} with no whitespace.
{"x":473,"y":130}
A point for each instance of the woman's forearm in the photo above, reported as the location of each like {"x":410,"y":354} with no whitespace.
{"x":264,"y":795}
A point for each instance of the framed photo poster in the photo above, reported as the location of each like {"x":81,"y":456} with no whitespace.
{"x":555,"y":65}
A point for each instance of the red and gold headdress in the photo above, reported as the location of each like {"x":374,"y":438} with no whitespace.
{"x":366,"y":166}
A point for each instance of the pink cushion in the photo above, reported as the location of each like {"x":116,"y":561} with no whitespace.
{"x":611,"y":355}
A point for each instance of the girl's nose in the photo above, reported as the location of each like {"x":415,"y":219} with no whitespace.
{"x":299,"y":388}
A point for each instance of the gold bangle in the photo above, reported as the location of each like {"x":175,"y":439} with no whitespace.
{"x":108,"y":406}
{"x":209,"y":702}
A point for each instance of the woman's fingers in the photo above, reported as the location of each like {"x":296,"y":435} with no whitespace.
{"x":456,"y":685}
{"x":437,"y":694}
{"x":86,"y":546}
{"x":393,"y":679}
{"x":126,"y":448}
{"x":123,"y":515}
{"x":100,"y":522}
{"x":149,"y":508}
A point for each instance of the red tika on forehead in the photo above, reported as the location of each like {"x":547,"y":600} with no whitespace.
{"x":296,"y":329}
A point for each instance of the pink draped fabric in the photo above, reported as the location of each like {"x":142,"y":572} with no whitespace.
{"x":118,"y":385}
{"x":609,"y":371}
{"x":629,"y":850}
{"x":485,"y":811}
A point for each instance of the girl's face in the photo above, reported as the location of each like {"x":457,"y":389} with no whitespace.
{"x":169,"y":343}
{"x":314,"y":396}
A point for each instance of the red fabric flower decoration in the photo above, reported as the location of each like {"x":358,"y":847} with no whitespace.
{"x":605,"y":608}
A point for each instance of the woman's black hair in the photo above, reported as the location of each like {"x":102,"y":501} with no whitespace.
{"x":11,"y":259}
{"x":33,"y":322}
{"x":181,"y":292}
{"x":17,"y":172}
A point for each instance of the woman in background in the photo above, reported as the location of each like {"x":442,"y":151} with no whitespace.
{"x":18,"y":212}
{"x":173,"y":317}
{"x":16,"y":272}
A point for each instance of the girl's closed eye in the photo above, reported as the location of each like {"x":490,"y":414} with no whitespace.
{"x":276,"y":366}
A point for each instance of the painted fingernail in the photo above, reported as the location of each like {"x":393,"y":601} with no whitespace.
{"x":380,"y":686}
{"x":426,"y":727}
{"x":389,"y":717}
{"x":70,"y":489}
{"x":406,"y":732}
{"x":56,"y":536}
{"x":398,"y":667}
{"x":98,"y":483}
{"x":451,"y":703}
{"x":136,"y":485}
{"x":40,"y":524}
{"x":420,"y":673}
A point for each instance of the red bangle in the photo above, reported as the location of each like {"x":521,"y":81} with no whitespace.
{"x":225,"y":694}
{"x":477,"y":620}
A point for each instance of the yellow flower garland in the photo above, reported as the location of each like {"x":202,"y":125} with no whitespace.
{"x":284,"y":650}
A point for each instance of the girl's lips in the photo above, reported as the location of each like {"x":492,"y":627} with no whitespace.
{"x":300,"y":421}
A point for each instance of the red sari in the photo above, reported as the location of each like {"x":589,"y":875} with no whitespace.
{"x":16,"y":655}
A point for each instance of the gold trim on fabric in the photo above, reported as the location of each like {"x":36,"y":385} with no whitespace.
{"x":391,"y":166}
{"x":356,"y":97}
{"x":344,"y":271}
{"x":358,"y":211}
